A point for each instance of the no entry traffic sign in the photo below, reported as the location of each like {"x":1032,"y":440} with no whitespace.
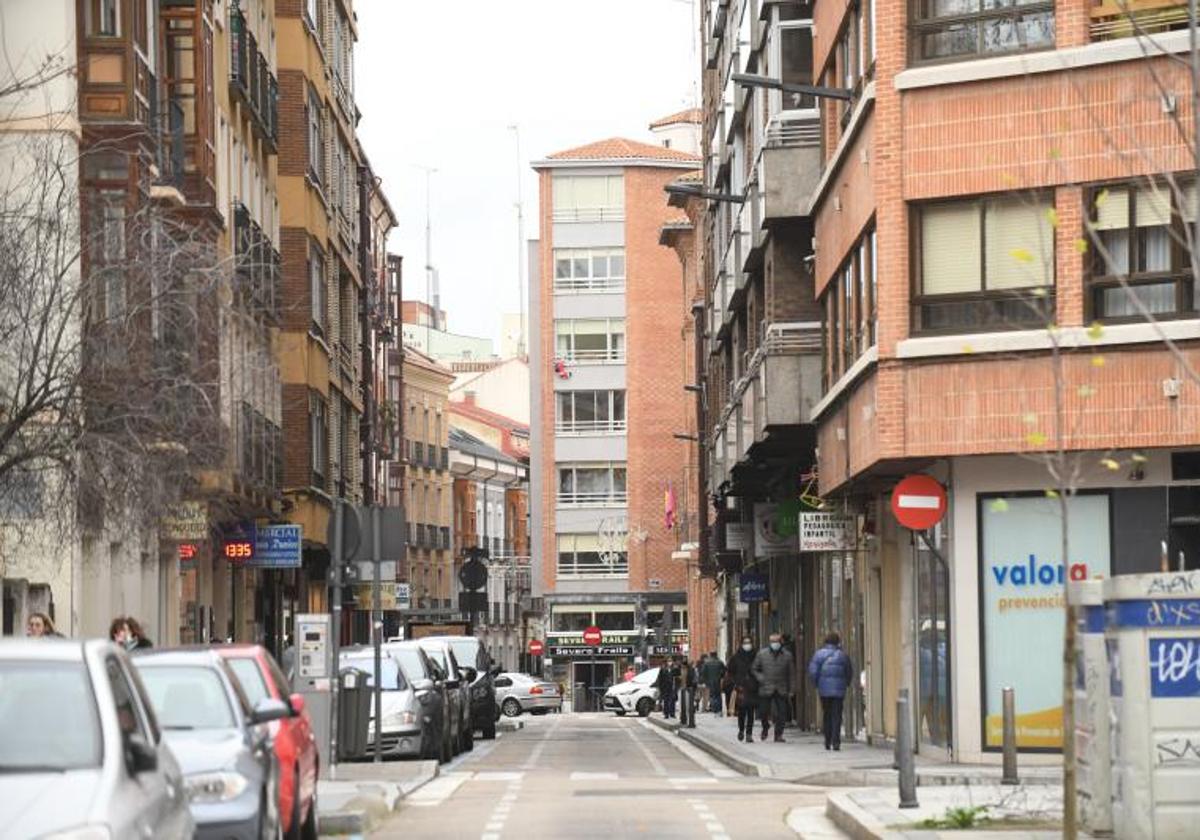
{"x":592,"y":636}
{"x":919,"y":502}
{"x":536,"y":647}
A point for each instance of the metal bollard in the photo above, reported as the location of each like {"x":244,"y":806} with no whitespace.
{"x":1009,"y":776}
{"x":896,"y":746}
{"x":904,"y":753}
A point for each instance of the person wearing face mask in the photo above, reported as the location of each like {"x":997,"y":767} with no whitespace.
{"x":775,"y":671}
{"x":120,"y":634}
{"x":744,"y":683}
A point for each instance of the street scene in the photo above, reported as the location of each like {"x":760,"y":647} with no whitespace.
{"x":599,"y":418}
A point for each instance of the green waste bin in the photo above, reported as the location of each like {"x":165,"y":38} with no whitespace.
{"x":354,"y":714}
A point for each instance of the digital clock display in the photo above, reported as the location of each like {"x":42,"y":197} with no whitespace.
{"x":238,"y":550}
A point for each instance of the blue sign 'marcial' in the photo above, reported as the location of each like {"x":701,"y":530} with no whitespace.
{"x":753,"y":588}
{"x":1174,"y":667}
{"x":277,"y":546}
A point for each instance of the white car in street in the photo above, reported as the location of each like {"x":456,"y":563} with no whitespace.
{"x":636,"y":695}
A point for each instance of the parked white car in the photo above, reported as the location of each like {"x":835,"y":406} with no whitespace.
{"x":636,"y":695}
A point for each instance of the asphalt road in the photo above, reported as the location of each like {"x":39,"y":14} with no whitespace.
{"x":594,"y":776}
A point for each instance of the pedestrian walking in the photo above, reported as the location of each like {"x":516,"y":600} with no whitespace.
{"x":665,"y":683}
{"x":703,"y":686}
{"x":39,"y":626}
{"x":775,"y":671}
{"x":629,"y":674}
{"x":687,"y":694}
{"x":746,"y":686}
{"x":831,"y":671}
{"x":141,"y":642}
{"x":711,"y":672}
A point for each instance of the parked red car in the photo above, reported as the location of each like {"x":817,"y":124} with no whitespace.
{"x":295,"y":744}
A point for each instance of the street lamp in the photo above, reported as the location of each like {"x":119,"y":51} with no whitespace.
{"x":750,"y":80}
{"x":697,"y":191}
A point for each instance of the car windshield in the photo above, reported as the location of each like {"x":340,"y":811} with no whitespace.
{"x":393,"y":680}
{"x":410,"y":662}
{"x":466,"y":651}
{"x":48,"y":718}
{"x":647,"y":677}
{"x":187,"y":696}
{"x":250,"y":677}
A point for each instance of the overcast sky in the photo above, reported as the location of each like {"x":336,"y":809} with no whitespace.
{"x":439,"y":83}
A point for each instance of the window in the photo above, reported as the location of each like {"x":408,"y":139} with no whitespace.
{"x":590,"y":556}
{"x":591,"y":485}
{"x":796,"y":64}
{"x":984,"y":264}
{"x":588,"y":269}
{"x":318,"y":290}
{"x":848,"y":308}
{"x":571,"y":621}
{"x":949,"y":29}
{"x":103,"y":17}
{"x":615,"y":620}
{"x":250,"y":678}
{"x":1138,"y":239}
{"x":589,"y":198}
{"x":318,"y":426}
{"x":590,"y":412}
{"x":590,"y":339}
{"x":311,"y":12}
{"x":316,"y":138}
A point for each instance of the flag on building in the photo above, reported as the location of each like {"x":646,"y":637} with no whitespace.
{"x":669,"y":517}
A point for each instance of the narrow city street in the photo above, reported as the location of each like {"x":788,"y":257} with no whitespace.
{"x":585,"y":776}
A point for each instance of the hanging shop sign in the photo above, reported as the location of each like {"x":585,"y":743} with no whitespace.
{"x":590,"y":650}
{"x":775,"y":534}
{"x":1023,"y":581}
{"x":739,"y":536}
{"x":827,"y":532}
{"x":186,"y":521}
{"x":277,"y":546}
{"x":753,"y":588}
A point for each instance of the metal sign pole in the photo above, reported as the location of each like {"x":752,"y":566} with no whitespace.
{"x":335,"y":632}
{"x":377,"y":632}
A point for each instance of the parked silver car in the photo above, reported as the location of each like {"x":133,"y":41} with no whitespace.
{"x":431,"y":694}
{"x":81,"y":752}
{"x":457,"y":679}
{"x":516,"y":693}
{"x":409,"y":729}
{"x":231,"y":774}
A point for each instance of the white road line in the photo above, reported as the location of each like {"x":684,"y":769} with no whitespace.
{"x":531,"y":762}
{"x":498,"y":775}
{"x":681,"y":781}
{"x":650,"y":757}
{"x":581,"y":776}
{"x":437,"y":791}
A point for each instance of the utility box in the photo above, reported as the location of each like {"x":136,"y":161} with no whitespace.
{"x":1153,"y":638}
{"x":312,"y":675}
{"x":1093,"y":742}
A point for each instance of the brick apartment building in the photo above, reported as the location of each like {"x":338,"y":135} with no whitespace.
{"x":979,"y":181}
{"x":607,"y":373}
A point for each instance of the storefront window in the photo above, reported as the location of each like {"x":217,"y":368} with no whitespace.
{"x":615,"y":621}
{"x":572,"y":622}
{"x":933,"y":646}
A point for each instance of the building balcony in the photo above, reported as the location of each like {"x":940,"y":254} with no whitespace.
{"x":781,"y":384}
{"x":789,"y":167}
{"x":1127,"y":18}
{"x":613,"y":498}
{"x":593,"y":569}
{"x":258,"y":268}
{"x":591,"y":427}
{"x":251,"y":81}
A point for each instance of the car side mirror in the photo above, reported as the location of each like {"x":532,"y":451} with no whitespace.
{"x":469,"y":674}
{"x":269,"y":709}
{"x":140,"y":756}
{"x":296,"y":702}
{"x":423,"y":685}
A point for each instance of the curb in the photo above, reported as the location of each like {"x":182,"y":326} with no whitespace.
{"x":373,"y":803}
{"x":853,"y":820}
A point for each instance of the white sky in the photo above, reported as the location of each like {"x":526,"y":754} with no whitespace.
{"x":438,"y":84}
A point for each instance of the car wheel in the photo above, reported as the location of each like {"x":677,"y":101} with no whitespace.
{"x":489,"y":731}
{"x":644,"y":707}
{"x":511,"y":707}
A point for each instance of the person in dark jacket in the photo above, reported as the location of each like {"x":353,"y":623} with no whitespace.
{"x":141,"y":642}
{"x":776,"y":672}
{"x":711,"y":673}
{"x":665,"y":683}
{"x":746,"y":686}
{"x":687,"y":694}
{"x":831,"y":672}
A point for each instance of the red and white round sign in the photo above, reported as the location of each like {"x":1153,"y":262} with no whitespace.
{"x":592,"y":636}
{"x":919,"y":502}
{"x":536,"y":647}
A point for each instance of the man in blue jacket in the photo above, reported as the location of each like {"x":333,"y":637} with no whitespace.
{"x":831,"y":671}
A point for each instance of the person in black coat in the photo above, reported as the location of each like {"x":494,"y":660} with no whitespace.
{"x":746,"y":686}
{"x":665,"y":683}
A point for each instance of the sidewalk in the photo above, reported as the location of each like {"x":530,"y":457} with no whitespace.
{"x":803,"y":759}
